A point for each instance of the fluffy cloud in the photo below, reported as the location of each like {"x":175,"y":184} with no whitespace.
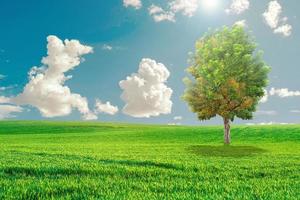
{"x":137,"y":4}
{"x":283,"y":93}
{"x":241,"y":23}
{"x":238,"y":6}
{"x":185,"y":7}
{"x":265,"y":98}
{"x":7,"y":110}
{"x":159,"y":14}
{"x":105,"y":108}
{"x":145,"y":92}
{"x":272,"y":14}
{"x":46,"y":90}
{"x":285,"y":30}
{"x":274,"y":20}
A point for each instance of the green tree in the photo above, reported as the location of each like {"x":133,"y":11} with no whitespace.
{"x":228,"y":77}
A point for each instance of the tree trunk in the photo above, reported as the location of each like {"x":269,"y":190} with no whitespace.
{"x":226,"y":131}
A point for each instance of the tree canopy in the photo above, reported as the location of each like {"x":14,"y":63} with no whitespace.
{"x":228,"y":75}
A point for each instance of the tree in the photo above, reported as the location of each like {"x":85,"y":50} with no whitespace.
{"x":228,"y":77}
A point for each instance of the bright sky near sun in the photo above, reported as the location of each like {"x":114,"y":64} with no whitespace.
{"x":124,"y":60}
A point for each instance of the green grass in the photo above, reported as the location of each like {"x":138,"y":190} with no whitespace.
{"x":73,"y":160}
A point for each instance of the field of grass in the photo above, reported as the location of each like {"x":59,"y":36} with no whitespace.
{"x":76,"y":160}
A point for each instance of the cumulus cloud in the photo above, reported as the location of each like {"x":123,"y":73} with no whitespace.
{"x":7,"y":110}
{"x":145,"y":92}
{"x":285,"y":30}
{"x":159,"y":14}
{"x":272,"y":14}
{"x":241,"y":23}
{"x":283,"y":93}
{"x":105,"y":108}
{"x":185,"y":7}
{"x":238,"y":6}
{"x":265,"y":98}
{"x":46,"y":89}
{"x":137,"y":4}
{"x":274,"y":20}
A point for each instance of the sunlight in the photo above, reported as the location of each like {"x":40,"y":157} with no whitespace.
{"x":210,"y":4}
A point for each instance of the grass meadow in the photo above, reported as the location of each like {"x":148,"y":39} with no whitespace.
{"x":89,"y":160}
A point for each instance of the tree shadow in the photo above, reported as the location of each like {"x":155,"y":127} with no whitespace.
{"x":225,"y":151}
{"x":134,"y":163}
{"x":85,"y":159}
{"x":59,"y":171}
{"x":41,"y":172}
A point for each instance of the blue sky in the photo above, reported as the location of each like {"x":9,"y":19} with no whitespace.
{"x":123,"y":34}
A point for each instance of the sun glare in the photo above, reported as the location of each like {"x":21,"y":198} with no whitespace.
{"x":210,"y":4}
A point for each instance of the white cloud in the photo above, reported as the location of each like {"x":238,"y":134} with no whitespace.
{"x":137,"y":4}
{"x":174,"y":124}
{"x":238,"y":6}
{"x":268,"y":123}
{"x":7,"y":110}
{"x":145,"y":92}
{"x":159,"y":14}
{"x":107,"y":47}
{"x":272,"y":14}
{"x":265,"y":98}
{"x":178,"y":118}
{"x":2,"y":76}
{"x":46,"y":90}
{"x":7,"y":87}
{"x":186,"y":7}
{"x":283,"y":93}
{"x":105,"y":108}
{"x":274,"y":20}
{"x":4,"y":99}
{"x":285,"y":30}
{"x":241,"y":23}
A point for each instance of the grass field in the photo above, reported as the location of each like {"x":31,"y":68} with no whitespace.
{"x":74,"y":160}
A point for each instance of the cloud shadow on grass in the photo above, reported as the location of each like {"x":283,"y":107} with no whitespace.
{"x":225,"y":151}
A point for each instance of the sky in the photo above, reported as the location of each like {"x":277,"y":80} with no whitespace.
{"x":124,"y":60}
